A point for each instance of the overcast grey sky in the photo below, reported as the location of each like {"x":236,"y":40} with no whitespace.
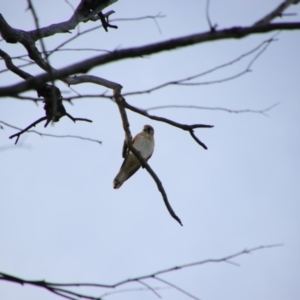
{"x":60,"y":218}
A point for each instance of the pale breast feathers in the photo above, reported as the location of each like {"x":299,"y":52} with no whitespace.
{"x":144,"y":144}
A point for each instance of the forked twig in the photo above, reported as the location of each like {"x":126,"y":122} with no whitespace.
{"x":189,"y":128}
{"x":18,"y":134}
{"x":53,"y":135}
{"x":27,"y":128}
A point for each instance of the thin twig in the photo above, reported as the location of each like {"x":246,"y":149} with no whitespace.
{"x":78,"y":119}
{"x":54,"y":135}
{"x":99,"y":26}
{"x":277,"y":12}
{"x":235,"y":111}
{"x":71,"y":5}
{"x":177,"y":288}
{"x":60,"y":288}
{"x":150,"y":288}
{"x":133,"y":290}
{"x":26,"y":129}
{"x":183,"y":81}
{"x":37,"y":27}
{"x":212,"y":28}
{"x":216,"y":260}
{"x":189,"y":128}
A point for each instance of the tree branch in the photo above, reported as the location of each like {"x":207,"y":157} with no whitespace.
{"x":189,"y":128}
{"x":86,"y":65}
{"x":53,"y":135}
{"x":84,"y":12}
{"x":183,"y":81}
{"x":177,"y":288}
{"x":235,"y":111}
{"x":212,"y":28}
{"x":63,"y":290}
{"x":277,"y":12}
{"x":10,"y":66}
{"x":120,"y":102}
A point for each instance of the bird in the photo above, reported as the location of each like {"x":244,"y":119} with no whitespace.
{"x":142,"y":142}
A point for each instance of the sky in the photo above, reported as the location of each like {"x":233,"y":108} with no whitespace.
{"x":60,"y":218}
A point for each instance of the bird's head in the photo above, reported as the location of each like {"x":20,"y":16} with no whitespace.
{"x":149,"y":129}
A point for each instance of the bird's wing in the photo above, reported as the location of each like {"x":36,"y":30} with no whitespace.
{"x":124,"y":149}
{"x":130,"y":165}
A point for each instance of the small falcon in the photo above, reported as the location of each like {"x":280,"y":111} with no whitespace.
{"x":144,"y":143}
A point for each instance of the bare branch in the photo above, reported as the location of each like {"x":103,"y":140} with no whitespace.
{"x":120,"y":102}
{"x":51,"y":135}
{"x":97,"y":27}
{"x":74,"y":80}
{"x":83,"y":13}
{"x":133,"y":290}
{"x":47,"y":122}
{"x":224,"y":259}
{"x":52,"y":98}
{"x":277,"y":12}
{"x":27,"y":128}
{"x":35,"y":55}
{"x":86,"y":65}
{"x":183,"y":81}
{"x":62,"y":288}
{"x":212,"y":28}
{"x":177,"y":288}
{"x":189,"y":128}
{"x":10,"y":66}
{"x":37,"y":26}
{"x":150,"y":288}
{"x":71,"y":5}
{"x":94,"y":79}
{"x":104,"y":20}
{"x":20,"y":66}
{"x":236,"y":111}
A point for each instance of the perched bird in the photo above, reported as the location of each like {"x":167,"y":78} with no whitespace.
{"x":144,"y":143}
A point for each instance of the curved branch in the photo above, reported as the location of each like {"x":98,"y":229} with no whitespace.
{"x":83,"y":13}
{"x":52,"y":135}
{"x":120,"y":102}
{"x":86,"y":65}
{"x":189,"y":128}
{"x":63,"y":290}
{"x":10,"y":66}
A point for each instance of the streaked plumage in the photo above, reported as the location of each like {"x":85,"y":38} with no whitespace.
{"x":144,"y":143}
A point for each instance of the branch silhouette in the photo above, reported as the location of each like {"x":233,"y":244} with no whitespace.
{"x":65,"y":289}
{"x":88,"y":64}
{"x":189,"y":128}
{"x":52,"y":135}
{"x":234,"y":111}
{"x":259,"y":49}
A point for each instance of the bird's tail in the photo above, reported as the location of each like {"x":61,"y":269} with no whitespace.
{"x":119,"y":180}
